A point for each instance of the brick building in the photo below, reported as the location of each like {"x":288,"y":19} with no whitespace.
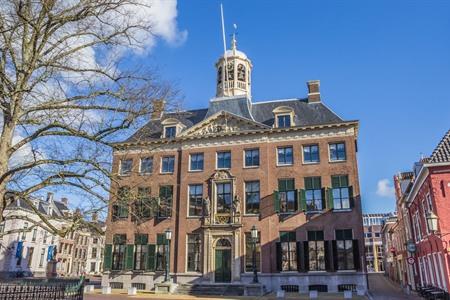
{"x":288,"y":167}
{"x":373,"y":242}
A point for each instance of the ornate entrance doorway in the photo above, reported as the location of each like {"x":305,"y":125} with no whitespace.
{"x":222,"y":272}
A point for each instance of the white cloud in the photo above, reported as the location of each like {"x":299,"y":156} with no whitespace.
{"x":385,"y":188}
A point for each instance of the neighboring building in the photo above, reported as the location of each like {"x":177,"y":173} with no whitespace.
{"x":390,"y":266}
{"x":373,"y":240}
{"x":287,"y":167}
{"x":430,"y":196}
{"x":96,"y":248}
{"x":30,"y":252}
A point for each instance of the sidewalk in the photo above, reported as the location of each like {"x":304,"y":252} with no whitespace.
{"x":382,"y":288}
{"x":120,"y":294}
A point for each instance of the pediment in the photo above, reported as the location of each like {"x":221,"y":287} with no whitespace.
{"x":223,"y":122}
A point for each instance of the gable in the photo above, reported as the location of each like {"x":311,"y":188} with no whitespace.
{"x":223,"y":122}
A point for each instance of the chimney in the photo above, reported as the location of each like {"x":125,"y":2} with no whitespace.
{"x":65,"y":201}
{"x":49,"y":197}
{"x":94,"y":217}
{"x":158,"y":109}
{"x":313,"y":91}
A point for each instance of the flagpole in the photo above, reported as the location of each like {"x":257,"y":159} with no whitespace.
{"x":224,"y":50}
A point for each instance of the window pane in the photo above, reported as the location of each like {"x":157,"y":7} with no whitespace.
{"x":249,"y":253}
{"x":197,"y":161}
{"x":125,"y":166}
{"x":194,"y":253}
{"x":146,"y":165}
{"x":195,"y":200}
{"x":252,"y":197}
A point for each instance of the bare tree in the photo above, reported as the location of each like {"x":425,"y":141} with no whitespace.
{"x":67,"y":93}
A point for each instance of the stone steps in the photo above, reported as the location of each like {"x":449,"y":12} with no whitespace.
{"x":211,"y":289}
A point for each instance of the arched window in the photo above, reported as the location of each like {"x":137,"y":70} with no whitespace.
{"x":241,"y":72}
{"x":230,"y":69}
{"x":219,"y":75}
{"x":223,"y":243}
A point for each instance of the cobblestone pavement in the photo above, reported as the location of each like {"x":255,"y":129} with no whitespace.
{"x":382,"y":288}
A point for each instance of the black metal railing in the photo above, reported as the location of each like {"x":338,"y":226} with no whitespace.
{"x":36,"y":288}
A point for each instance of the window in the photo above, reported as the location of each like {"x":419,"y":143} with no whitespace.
{"x":170,"y":132}
{"x":224,"y":160}
{"x":417,"y":228}
{"x":33,"y":239}
{"x":94,"y":240}
{"x":143,"y":208}
{"x":94,"y":253}
{"x":140,"y":251}
{"x":167,"y":164}
{"x":285,"y":156}
{"x":195,"y":200}
{"x":93,"y":264}
{"x":223,"y":197}
{"x":252,"y":197}
{"x":344,"y":246}
{"x":41,"y":259}
{"x":284,"y":121}
{"x":337,"y":152}
{"x":287,"y":195}
{"x":120,"y":207}
{"x":125,"y":166}
{"x":161,"y":245}
{"x":288,"y":251}
{"x":429,"y":202}
{"x":196,"y":163}
{"x":118,"y":255}
{"x":193,"y":253}
{"x":249,"y":252}
{"x":311,"y":154}
{"x":313,"y":194}
{"x":165,"y":201}
{"x":251,"y":158}
{"x":425,"y":212}
{"x":146,"y":166}
{"x":24,"y":232}
{"x":30,"y":256}
{"x":2,"y":229}
{"x":377,"y":234}
{"x":316,"y":251}
{"x":340,"y":192}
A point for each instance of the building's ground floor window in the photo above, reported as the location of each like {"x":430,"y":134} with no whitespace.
{"x":344,"y":250}
{"x":118,"y":251}
{"x":93,"y":266}
{"x":140,"y":251}
{"x":288,"y":247}
{"x":316,"y":251}
{"x":193,"y":253}
{"x":249,"y":249}
{"x":161,"y":248}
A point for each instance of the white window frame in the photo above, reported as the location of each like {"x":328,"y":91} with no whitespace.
{"x":161,"y":167}
{"x":140,"y":165}
{"x":293,"y":158}
{"x":120,"y":167}
{"x":190,"y":157}
{"x":217,"y":159}
{"x":329,"y":152}
{"x":244,"y":161}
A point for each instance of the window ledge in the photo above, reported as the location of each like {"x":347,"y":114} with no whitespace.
{"x":342,"y":210}
{"x":337,"y":161}
{"x":194,"y":217}
{"x":145,"y":174}
{"x":166,"y":173}
{"x":312,"y":212}
{"x":219,"y":169}
{"x":251,"y":215}
{"x":124,"y":175}
{"x":285,"y":165}
{"x":195,"y":171}
{"x":346,"y":271}
{"x":251,"y":167}
{"x":315,"y":272}
{"x":311,"y":163}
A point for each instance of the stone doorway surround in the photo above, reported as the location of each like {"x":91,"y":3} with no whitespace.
{"x":211,"y":237}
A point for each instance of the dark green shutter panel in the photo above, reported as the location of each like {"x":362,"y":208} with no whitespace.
{"x":356,"y":258}
{"x":330,"y":200}
{"x":107,"y":259}
{"x":328,"y":265}
{"x":350,"y":195}
{"x":129,"y":257}
{"x":324,"y":198}
{"x":335,"y":256}
{"x":302,"y":199}
{"x":276,"y":198}
{"x":299,"y":257}
{"x":284,"y":236}
{"x":151,"y":257}
{"x":161,"y":239}
{"x":306,"y":255}
{"x":279,"y":258}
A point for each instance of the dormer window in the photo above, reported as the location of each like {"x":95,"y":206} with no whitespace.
{"x":170,"y":132}
{"x":172,"y":127}
{"x":284,"y":117}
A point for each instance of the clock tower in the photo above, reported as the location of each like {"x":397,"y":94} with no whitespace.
{"x":233,"y":73}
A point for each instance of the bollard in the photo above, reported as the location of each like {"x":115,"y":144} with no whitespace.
{"x":348,"y":294}
{"x":313,"y":294}
{"x":132,"y":291}
{"x":106,"y":290}
{"x":280,"y":294}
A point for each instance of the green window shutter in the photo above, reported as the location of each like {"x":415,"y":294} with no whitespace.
{"x":151,"y":257}
{"x":129,"y":254}
{"x":350,"y":195}
{"x":302,"y":199}
{"x":161,"y":239}
{"x":284,"y":236}
{"x":324,"y":198}
{"x":330,"y":201}
{"x":107,"y":259}
{"x":276,"y":198}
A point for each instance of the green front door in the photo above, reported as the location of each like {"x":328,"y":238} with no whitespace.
{"x":223,"y":265}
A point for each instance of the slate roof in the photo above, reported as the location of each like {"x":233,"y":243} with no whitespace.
{"x":306,"y":114}
{"x":442,"y":152}
{"x":42,"y":206}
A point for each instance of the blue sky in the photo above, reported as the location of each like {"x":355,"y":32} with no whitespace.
{"x":385,"y":63}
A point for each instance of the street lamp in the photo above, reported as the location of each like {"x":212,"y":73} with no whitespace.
{"x":254,"y":236}
{"x":168,"y":234}
{"x":432,"y":222}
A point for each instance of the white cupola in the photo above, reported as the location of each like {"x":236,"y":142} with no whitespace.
{"x":238,"y":79}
